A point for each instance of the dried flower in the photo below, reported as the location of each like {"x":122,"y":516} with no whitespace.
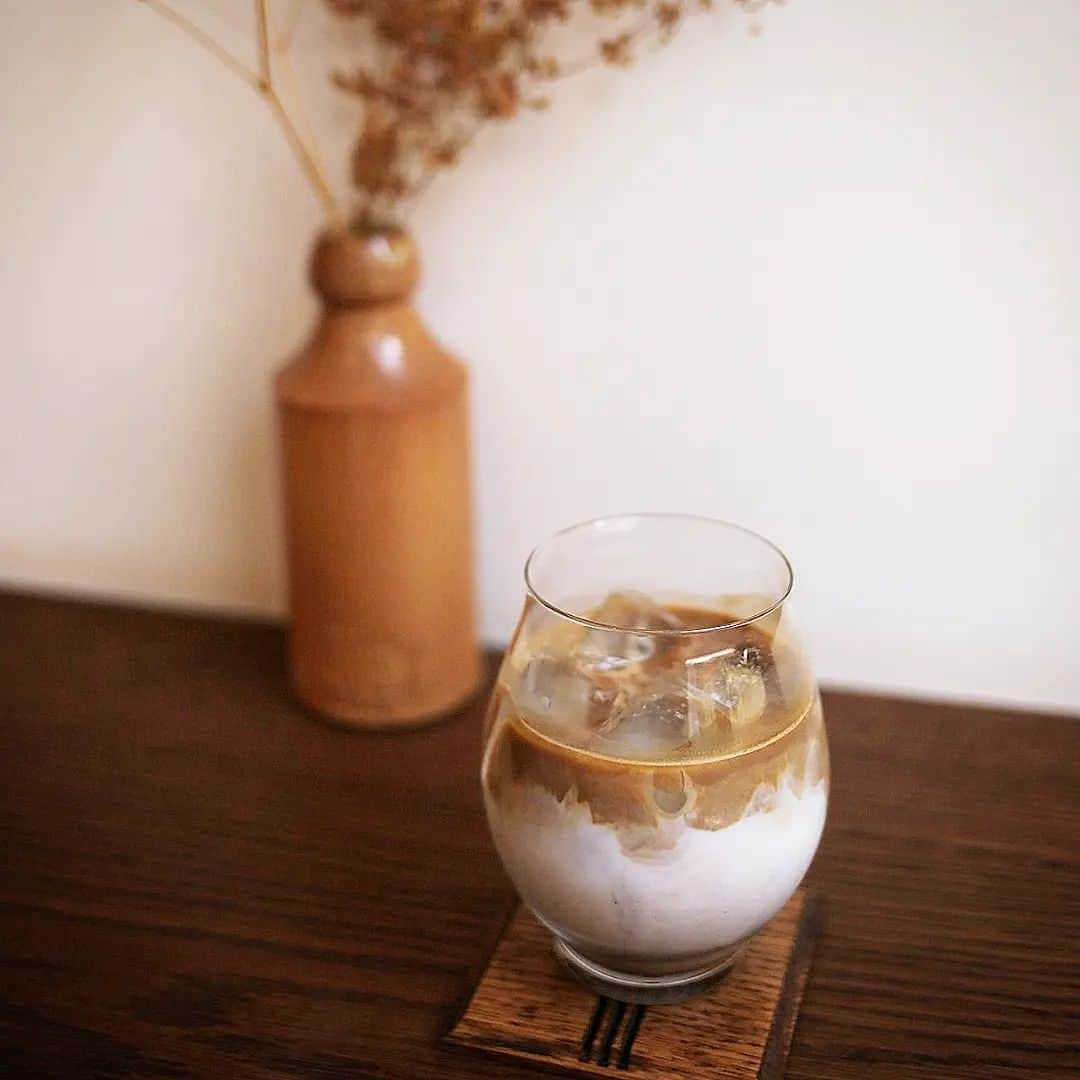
{"x":616,"y":51}
{"x":443,"y":67}
{"x":668,"y":16}
{"x":499,"y":95}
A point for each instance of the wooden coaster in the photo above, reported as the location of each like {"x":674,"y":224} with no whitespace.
{"x":527,"y":1005}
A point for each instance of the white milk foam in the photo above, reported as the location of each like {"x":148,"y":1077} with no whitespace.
{"x":688,"y":892}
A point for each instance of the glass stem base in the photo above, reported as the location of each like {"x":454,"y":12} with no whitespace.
{"x":644,"y":989}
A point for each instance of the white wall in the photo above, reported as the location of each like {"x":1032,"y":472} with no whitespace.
{"x":822,"y":282}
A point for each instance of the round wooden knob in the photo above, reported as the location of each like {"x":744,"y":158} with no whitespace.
{"x":353,"y":266}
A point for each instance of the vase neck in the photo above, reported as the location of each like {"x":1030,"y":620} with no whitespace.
{"x":364,"y":267}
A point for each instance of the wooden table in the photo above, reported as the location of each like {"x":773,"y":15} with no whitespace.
{"x":198,"y":879}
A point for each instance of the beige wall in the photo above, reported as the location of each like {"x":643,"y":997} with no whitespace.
{"x":822,"y":282}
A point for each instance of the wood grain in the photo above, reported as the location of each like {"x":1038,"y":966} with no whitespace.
{"x":198,"y":879}
{"x":526,"y":1005}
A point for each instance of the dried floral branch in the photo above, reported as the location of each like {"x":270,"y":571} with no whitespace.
{"x":304,"y":154}
{"x":432,"y":171}
{"x":611,"y":51}
{"x":287,"y":32}
{"x":285,"y":73}
{"x":262,"y":81}
{"x":306,"y":158}
{"x":200,"y":36}
{"x":438,"y":72}
{"x":441,"y":69}
{"x":263,"y":39}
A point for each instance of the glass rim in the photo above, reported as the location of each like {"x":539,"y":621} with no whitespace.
{"x":594,"y":624}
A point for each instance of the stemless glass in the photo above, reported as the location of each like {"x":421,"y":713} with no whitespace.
{"x":655,"y":767}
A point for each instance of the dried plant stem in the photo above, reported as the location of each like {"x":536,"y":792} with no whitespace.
{"x":286,"y":74}
{"x":262,"y":82}
{"x":288,"y":29}
{"x":305,"y":154}
{"x":262,"y":35}
{"x":199,"y":35}
{"x":307,"y":161}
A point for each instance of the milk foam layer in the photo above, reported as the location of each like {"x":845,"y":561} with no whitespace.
{"x":686,"y":893}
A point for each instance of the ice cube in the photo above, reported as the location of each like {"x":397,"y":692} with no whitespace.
{"x":646,"y":725}
{"x":726,"y":688}
{"x":554,"y":691}
{"x":551,"y":685}
{"x":629,"y":610}
{"x":613,"y":650}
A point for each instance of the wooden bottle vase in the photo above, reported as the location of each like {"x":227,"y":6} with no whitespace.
{"x":374,"y":432}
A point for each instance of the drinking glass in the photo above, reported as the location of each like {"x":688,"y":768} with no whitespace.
{"x":655,"y":767}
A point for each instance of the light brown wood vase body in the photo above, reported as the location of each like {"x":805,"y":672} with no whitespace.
{"x":374,"y":430}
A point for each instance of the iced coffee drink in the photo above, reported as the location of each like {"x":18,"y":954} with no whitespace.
{"x":655,"y":769}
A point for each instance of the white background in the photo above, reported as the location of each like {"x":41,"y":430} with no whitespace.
{"x":821,"y":281}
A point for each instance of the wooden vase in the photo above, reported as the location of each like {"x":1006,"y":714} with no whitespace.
{"x":374,"y":432}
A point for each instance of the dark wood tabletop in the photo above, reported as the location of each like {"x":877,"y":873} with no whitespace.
{"x":198,"y":879}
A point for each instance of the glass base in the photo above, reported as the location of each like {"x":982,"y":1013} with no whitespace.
{"x":644,"y":989}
